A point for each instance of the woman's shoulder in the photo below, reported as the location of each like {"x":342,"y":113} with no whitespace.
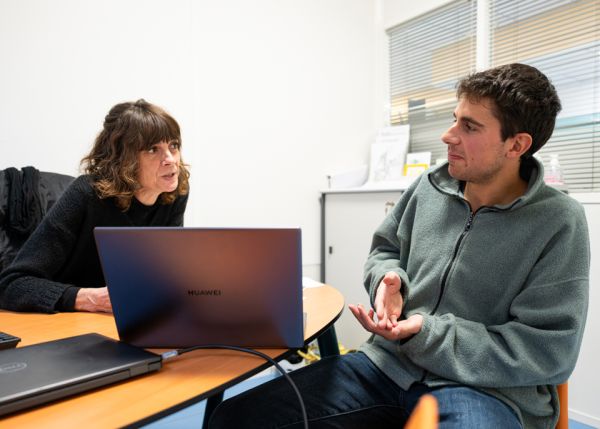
{"x":83,"y":184}
{"x":181,"y":201}
{"x":84,"y":179}
{"x":182,"y":198}
{"x":174,"y":201}
{"x":80,"y":191}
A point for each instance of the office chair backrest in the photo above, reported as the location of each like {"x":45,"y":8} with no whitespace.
{"x":34,"y":192}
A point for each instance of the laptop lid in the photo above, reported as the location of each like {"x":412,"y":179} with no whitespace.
{"x":180,"y":287}
{"x":40,"y":373}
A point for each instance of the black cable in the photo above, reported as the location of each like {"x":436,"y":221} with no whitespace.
{"x":172,"y":353}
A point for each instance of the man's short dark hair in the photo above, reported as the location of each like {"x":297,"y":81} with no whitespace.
{"x":524,"y":100}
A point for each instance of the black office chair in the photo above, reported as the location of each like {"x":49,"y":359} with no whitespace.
{"x":25,"y":197}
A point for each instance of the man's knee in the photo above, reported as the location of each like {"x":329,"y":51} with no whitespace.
{"x":464,"y":407}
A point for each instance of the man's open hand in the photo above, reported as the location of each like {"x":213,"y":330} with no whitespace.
{"x":388,"y":307}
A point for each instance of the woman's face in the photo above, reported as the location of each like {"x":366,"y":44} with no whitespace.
{"x":158,"y":171}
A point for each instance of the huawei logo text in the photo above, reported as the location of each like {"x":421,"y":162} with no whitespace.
{"x":204,"y":292}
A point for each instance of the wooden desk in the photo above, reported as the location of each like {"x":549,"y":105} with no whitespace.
{"x":181,"y":382}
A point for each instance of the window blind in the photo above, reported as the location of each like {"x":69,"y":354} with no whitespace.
{"x":428,"y":55}
{"x":562,"y":39}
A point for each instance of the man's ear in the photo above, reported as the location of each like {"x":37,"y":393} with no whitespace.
{"x":519,"y":144}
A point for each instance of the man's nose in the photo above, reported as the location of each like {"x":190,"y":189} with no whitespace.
{"x":450,"y":137}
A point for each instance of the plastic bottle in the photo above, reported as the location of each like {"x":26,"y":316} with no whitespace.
{"x":553,"y":174}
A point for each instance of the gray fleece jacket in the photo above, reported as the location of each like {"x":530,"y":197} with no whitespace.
{"x":503,"y":292}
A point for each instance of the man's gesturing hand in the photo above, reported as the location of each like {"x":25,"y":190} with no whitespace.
{"x":388,"y":306}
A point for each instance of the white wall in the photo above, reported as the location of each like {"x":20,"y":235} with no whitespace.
{"x":291,"y":88}
{"x":270,"y":94}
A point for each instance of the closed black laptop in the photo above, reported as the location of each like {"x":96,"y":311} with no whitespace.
{"x":40,"y":373}
{"x":180,"y":287}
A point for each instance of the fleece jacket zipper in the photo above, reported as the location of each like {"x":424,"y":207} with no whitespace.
{"x":447,"y":272}
{"x":449,"y":267}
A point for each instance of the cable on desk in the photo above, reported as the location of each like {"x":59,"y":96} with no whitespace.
{"x":173,"y":353}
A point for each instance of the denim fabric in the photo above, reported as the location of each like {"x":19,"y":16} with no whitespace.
{"x":351,"y":392}
{"x":463,"y":407}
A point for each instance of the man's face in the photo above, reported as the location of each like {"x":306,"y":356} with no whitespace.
{"x":476,"y":152}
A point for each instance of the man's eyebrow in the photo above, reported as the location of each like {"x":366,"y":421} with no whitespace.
{"x":470,"y":120}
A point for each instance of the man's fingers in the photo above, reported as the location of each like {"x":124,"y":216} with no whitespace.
{"x":391,"y":279}
{"x":393,"y":320}
{"x":392,"y":329}
{"x":365,"y":319}
{"x":408,"y":327}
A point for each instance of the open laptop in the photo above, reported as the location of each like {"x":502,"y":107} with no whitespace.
{"x":40,"y":373}
{"x":181,"y":287}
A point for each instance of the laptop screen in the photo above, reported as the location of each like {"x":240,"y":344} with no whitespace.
{"x":180,"y":287}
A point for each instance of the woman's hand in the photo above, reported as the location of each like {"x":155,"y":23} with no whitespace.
{"x":95,"y":300}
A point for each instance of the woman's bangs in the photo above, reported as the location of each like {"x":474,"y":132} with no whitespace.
{"x":156,"y":129}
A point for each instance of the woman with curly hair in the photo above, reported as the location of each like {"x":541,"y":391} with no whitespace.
{"x":134,"y":176}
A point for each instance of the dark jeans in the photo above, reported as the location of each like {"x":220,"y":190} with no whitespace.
{"x":350,"y":392}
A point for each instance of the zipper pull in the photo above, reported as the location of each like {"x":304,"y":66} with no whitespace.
{"x":469,"y":221}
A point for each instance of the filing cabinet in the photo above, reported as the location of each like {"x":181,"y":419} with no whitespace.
{"x":349,"y":219}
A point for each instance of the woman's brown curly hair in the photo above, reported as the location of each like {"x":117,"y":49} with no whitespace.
{"x":130,"y":128}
